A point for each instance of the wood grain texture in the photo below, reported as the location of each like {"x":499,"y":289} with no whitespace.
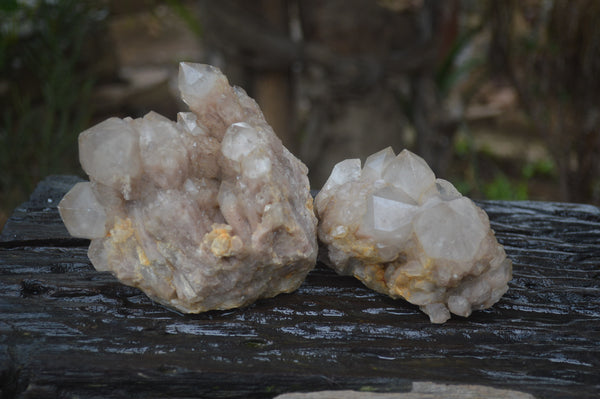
{"x":67,"y":330}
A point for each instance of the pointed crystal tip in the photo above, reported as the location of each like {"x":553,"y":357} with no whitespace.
{"x":196,"y":80}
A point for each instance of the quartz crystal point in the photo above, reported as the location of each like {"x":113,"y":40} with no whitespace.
{"x":404,"y":233}
{"x":209,"y":212}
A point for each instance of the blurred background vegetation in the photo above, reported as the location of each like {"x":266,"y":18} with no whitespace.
{"x":500,"y":97}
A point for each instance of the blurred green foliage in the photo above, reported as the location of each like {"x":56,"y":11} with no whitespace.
{"x":499,"y":185}
{"x":502,"y":188}
{"x":45,"y":90}
{"x":189,"y":18}
{"x":539,"y":168}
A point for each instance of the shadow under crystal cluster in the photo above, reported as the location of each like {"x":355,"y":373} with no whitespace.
{"x":404,"y":233}
{"x":209,"y":212}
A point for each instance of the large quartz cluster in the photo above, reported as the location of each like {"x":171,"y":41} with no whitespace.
{"x":403,"y":232}
{"x":209,"y":212}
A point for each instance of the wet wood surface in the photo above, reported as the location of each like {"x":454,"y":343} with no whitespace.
{"x":67,"y":330}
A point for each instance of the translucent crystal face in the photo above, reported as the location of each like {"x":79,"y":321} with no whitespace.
{"x":195,"y":82}
{"x":111,"y":152}
{"x":388,"y":211}
{"x":162,"y":150}
{"x":82,"y":213}
{"x":410,"y":173}
{"x":437,"y":230}
{"x":376,"y":163}
{"x":415,"y":236}
{"x":239,"y":141}
{"x":445,"y":190}
{"x":389,"y":216}
{"x":344,"y":172}
{"x":189,"y":122}
{"x":209,"y":212}
{"x":255,"y":168}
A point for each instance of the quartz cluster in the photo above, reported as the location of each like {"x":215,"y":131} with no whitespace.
{"x":209,"y":212}
{"x":404,"y":233}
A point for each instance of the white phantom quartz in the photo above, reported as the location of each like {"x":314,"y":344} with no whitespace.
{"x":404,"y":233}
{"x":209,"y":212}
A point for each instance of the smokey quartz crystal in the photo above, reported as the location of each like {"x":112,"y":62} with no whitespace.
{"x":404,"y":233}
{"x":209,"y":212}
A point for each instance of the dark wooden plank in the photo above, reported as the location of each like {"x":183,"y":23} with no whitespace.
{"x":38,"y":219}
{"x":67,"y":330}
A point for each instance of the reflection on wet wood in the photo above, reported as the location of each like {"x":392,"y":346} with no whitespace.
{"x":67,"y":330}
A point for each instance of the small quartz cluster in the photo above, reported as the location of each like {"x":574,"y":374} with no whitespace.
{"x":404,"y":233}
{"x":209,"y":212}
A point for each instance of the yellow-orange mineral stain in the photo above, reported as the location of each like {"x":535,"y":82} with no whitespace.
{"x":142,"y":256}
{"x":121,"y":231}
{"x":221,"y":241}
